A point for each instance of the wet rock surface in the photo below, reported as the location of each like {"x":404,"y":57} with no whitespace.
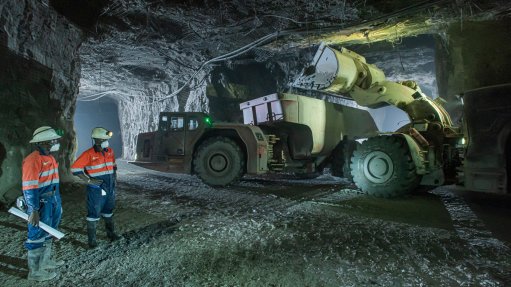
{"x":269,"y":232}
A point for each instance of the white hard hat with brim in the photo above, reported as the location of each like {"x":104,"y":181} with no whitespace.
{"x":44,"y":134}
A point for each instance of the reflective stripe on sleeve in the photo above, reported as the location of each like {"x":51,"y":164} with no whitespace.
{"x":30,"y":182}
{"x":46,"y":183}
{"x":48,"y":172}
{"x":73,"y":170}
{"x":99,"y":166}
{"x":94,"y":174}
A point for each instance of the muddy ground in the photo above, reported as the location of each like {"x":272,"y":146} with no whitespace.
{"x":274,"y":232}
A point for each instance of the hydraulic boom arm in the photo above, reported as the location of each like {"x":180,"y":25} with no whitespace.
{"x":346,"y":73}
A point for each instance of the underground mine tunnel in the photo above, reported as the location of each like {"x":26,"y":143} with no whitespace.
{"x":255,"y":143}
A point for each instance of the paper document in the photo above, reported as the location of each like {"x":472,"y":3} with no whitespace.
{"x":52,"y":231}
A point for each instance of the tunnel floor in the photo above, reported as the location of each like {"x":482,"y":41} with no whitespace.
{"x":274,"y":232}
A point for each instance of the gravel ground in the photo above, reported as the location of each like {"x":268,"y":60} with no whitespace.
{"x":267,"y":232}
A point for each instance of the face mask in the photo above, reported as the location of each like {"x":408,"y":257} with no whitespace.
{"x":104,"y":144}
{"x":55,"y":147}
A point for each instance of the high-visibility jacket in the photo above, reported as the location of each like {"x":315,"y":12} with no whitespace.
{"x":98,"y":165}
{"x":40,"y":178}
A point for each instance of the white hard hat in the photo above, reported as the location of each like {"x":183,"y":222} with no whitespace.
{"x":44,"y":134}
{"x":101,"y":133}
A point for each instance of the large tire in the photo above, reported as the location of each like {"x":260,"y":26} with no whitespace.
{"x":382,"y":167}
{"x":341,"y":156}
{"x":219,"y":161}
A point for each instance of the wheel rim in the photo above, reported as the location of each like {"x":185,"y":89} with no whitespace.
{"x":378,"y":167}
{"x":218,"y":162}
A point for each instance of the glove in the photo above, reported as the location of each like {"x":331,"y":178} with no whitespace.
{"x":34,"y":218}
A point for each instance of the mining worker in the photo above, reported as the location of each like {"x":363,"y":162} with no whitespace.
{"x":41,"y":193}
{"x":96,"y":166}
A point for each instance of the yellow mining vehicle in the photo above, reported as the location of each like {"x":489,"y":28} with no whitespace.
{"x":426,"y":151}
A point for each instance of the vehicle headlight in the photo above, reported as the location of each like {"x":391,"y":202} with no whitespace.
{"x":462,"y":142}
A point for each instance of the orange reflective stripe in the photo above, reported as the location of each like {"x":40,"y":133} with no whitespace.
{"x":48,"y":178}
{"x":99,"y":173}
{"x":49,"y":172}
{"x":53,"y":175}
{"x":48,"y":182}
{"x":39,"y":171}
{"x":99,"y":166}
{"x":95,"y":163}
{"x":30,"y":184}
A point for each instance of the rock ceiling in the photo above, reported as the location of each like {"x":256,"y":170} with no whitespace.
{"x":136,"y":41}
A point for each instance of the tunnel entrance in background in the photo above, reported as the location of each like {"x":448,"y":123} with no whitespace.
{"x":99,"y":113}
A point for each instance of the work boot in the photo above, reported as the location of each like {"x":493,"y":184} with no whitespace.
{"x":35,"y":270}
{"x":49,"y":263}
{"x":110,"y":233}
{"x":91,"y":233}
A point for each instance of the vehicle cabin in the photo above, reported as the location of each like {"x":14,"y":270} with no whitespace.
{"x":176,"y":133}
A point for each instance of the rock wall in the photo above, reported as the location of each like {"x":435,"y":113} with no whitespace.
{"x":243,"y":80}
{"x":38,"y":84}
{"x":139,"y":113}
{"x":472,"y":55}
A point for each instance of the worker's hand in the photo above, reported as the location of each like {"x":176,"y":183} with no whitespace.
{"x":34,"y":218}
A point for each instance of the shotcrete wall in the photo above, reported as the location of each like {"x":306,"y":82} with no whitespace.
{"x":38,"y":84}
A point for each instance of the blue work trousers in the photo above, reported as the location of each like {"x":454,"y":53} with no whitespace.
{"x":50,"y":212}
{"x":98,"y":204}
